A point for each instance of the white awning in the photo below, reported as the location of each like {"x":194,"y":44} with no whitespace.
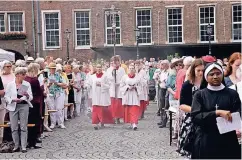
{"x":6,"y":55}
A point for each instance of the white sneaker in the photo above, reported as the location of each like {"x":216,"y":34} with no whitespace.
{"x":135,"y":127}
{"x":47,"y":128}
{"x":62,"y":126}
{"x":52,"y":126}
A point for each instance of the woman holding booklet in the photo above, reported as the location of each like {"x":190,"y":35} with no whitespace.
{"x":18,"y":96}
{"x":212,"y":101}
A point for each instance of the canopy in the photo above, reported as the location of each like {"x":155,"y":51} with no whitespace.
{"x":6,"y":55}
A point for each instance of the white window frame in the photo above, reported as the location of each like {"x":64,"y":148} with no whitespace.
{"x":8,"y":18}
{"x":44,"y":31}
{"x":136,"y":22}
{"x":215,"y":37}
{"x":106,"y":31}
{"x":232,"y":36}
{"x":90,"y":28}
{"x":4,"y":19}
{"x":167,"y":22}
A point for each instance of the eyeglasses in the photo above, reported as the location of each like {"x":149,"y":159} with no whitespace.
{"x":8,"y":66}
{"x":179,"y":65}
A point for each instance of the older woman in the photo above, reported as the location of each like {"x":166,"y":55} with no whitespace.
{"x":6,"y":76}
{"x":212,"y":101}
{"x":34,"y":113}
{"x":77,"y":88}
{"x":130,"y":88}
{"x":56,"y":96}
{"x":101,"y":100}
{"x":18,"y":96}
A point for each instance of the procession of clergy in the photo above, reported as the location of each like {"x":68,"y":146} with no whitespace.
{"x":48,"y":92}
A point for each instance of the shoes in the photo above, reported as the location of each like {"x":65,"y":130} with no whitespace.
{"x":37,"y":147}
{"x":38,"y":140}
{"x":175,"y":136}
{"x":62,"y":126}
{"x":24,"y":150}
{"x":160,"y":123}
{"x":135,"y":127}
{"x":52,"y":126}
{"x":95,"y":128}
{"x":16,"y":149}
{"x":158,"y":114}
{"x":162,"y":126}
{"x":48,"y":129}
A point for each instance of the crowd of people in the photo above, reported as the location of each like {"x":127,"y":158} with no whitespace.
{"x":43,"y":94}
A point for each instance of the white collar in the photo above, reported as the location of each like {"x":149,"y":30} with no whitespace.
{"x":216,"y":88}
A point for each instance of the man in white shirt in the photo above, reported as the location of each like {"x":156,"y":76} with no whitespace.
{"x":163,"y":95}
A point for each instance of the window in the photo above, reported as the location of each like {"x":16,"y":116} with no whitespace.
{"x":236,"y":22}
{"x":109,"y":30}
{"x":207,"y":16}
{"x":2,"y":23}
{"x":174,"y":25}
{"x":82,"y":23}
{"x":143,"y":21}
{"x":52,"y":30}
{"x":15,"y":22}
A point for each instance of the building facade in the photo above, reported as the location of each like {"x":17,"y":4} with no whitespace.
{"x":166,"y":27}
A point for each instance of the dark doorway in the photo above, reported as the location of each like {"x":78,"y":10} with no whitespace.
{"x":18,"y":55}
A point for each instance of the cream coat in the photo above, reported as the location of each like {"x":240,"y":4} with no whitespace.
{"x":11,"y":93}
{"x":130,"y":97}
{"x":100,"y":95}
{"x":119,"y":74}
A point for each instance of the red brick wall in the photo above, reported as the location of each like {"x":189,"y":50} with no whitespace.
{"x":190,"y":23}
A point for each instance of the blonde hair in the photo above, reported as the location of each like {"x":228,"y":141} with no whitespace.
{"x":33,"y":69}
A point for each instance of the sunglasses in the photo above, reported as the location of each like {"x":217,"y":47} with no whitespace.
{"x":178,"y":65}
{"x":8,"y":66}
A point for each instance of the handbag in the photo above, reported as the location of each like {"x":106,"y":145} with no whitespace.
{"x":189,"y":140}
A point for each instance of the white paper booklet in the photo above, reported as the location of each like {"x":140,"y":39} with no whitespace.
{"x":225,"y":126}
{"x":22,"y":89}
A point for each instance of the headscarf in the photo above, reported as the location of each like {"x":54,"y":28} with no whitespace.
{"x":210,"y":67}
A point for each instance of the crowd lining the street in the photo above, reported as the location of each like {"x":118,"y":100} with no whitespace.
{"x":42,"y":94}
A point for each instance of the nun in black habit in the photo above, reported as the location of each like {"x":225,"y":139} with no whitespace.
{"x":212,"y":101}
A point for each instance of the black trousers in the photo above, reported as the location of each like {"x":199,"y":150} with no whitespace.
{"x":163,"y":98}
{"x":34,"y":118}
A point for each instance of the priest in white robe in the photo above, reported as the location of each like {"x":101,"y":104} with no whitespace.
{"x":114,"y":76}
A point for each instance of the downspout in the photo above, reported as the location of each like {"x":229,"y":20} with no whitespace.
{"x":33,"y":29}
{"x":38,"y":29}
{"x":158,"y":27}
{"x":224,"y":25}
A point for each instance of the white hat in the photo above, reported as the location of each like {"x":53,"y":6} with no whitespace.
{"x":174,"y":61}
{"x":188,"y":61}
{"x":30,"y":59}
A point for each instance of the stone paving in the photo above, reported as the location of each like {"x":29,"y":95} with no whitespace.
{"x":81,"y":141}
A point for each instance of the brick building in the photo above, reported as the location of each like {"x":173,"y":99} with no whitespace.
{"x":167,"y":27}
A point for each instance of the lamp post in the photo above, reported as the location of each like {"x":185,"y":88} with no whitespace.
{"x":209,"y":32}
{"x":26,"y":47}
{"x":137,"y":31}
{"x":113,"y":12}
{"x":67,"y":32}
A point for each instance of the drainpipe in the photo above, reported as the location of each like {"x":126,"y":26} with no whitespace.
{"x":158,"y":27}
{"x":38,"y":29}
{"x":33,"y":29}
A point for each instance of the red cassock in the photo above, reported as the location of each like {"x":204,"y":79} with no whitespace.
{"x":131,"y":114}
{"x":101,"y":114}
{"x":117,"y":108}
{"x":142,"y":107}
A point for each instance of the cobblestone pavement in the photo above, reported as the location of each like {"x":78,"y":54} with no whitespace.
{"x":81,"y":141}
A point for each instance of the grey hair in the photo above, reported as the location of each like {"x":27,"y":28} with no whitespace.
{"x":39,"y":60}
{"x":3,"y":63}
{"x":76,"y":67}
{"x":20,"y":70}
{"x":20,"y":63}
{"x":58,"y":60}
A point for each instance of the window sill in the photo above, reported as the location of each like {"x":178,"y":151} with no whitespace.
{"x":198,"y":41}
{"x":111,"y":45}
{"x":175,"y":42}
{"x":82,"y":47}
{"x":235,"y":41}
{"x":144,"y":44}
{"x":51,"y":49}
